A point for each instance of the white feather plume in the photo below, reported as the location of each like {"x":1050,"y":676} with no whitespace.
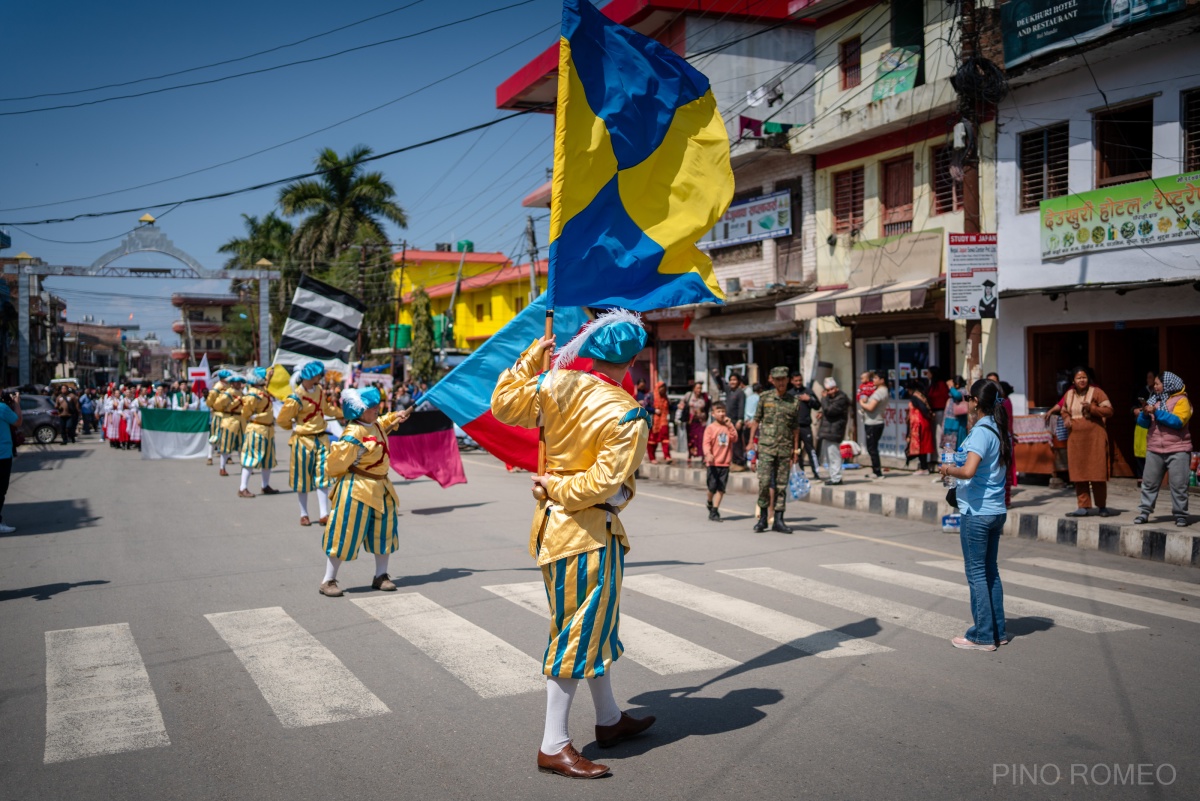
{"x":352,"y":402}
{"x":570,"y":352}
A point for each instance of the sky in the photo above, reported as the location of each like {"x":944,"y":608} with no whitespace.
{"x":466,"y":188}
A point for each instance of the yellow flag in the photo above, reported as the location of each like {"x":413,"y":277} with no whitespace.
{"x":280,"y":386}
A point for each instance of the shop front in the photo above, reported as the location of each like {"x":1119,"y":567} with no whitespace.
{"x":747,"y":341}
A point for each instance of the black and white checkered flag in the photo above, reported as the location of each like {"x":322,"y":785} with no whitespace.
{"x":321,"y":326}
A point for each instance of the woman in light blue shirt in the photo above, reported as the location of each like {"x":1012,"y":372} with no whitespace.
{"x":10,"y":415}
{"x":981,"y":467}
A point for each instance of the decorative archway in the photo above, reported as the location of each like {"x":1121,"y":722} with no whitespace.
{"x":146,"y":238}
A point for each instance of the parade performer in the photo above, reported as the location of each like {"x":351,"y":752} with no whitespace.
{"x":136,"y":403}
{"x":258,"y":440}
{"x":112,"y":417}
{"x":229,"y":431}
{"x":304,"y":413}
{"x":596,"y":435}
{"x":364,"y":500}
{"x":214,"y":417}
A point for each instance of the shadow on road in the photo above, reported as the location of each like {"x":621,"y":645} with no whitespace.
{"x":441,"y":510}
{"x":46,"y":591}
{"x":1024,"y":626}
{"x":33,"y":458}
{"x":48,"y":517}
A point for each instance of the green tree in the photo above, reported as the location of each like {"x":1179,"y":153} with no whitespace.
{"x":424,"y":364}
{"x":268,"y":238}
{"x":240,"y":334}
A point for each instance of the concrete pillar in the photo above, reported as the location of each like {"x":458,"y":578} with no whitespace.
{"x":264,"y":322}
{"x":25,"y":297}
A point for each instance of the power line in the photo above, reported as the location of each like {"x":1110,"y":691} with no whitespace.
{"x":278,"y":181}
{"x":372,"y":110}
{"x":267,"y":69}
{"x":215,"y":63}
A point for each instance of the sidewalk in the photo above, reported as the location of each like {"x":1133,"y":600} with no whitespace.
{"x":1037,"y":512}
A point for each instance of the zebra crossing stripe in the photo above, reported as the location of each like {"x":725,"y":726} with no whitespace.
{"x":1108,"y":574}
{"x":98,"y":695}
{"x":885,"y":611}
{"x":476,"y":657}
{"x":1094,"y":594}
{"x":651,"y":647}
{"x":302,"y":680}
{"x":1013,"y":606}
{"x":803,"y":635}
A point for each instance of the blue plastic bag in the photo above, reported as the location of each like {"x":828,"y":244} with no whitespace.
{"x":798,"y":484}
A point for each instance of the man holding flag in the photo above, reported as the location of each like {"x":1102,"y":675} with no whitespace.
{"x":641,"y":172}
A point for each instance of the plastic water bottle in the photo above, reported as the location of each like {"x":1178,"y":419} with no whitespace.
{"x":947,"y":458}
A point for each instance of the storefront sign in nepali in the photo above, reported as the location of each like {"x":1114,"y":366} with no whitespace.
{"x":897,"y":72}
{"x":1032,"y":28}
{"x":1130,"y":215}
{"x":750,"y":220}
{"x":971,"y":291}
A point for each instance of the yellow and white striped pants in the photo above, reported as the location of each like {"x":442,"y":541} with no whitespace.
{"x":584,"y":592}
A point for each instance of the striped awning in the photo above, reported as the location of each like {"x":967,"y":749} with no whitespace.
{"x":890,"y":297}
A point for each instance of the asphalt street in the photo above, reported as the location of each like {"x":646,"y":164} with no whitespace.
{"x":163,"y":638}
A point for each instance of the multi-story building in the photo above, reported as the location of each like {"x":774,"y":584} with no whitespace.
{"x":1098,"y":204}
{"x":47,"y":312}
{"x":758,"y":57}
{"x":92,"y":352}
{"x":203,"y":329}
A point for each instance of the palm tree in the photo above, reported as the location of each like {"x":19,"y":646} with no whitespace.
{"x":342,"y":206}
{"x":269,"y":238}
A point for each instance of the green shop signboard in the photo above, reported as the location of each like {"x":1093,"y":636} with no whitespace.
{"x":897,"y":72}
{"x":1124,"y":216}
{"x":1033,"y":28}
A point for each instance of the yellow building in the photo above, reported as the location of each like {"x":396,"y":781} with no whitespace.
{"x":492,"y":292}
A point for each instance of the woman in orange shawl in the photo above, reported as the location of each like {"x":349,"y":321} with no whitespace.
{"x":660,"y":428}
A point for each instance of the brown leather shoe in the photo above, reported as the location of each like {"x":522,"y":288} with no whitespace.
{"x":383,"y":582}
{"x":222,"y":472}
{"x":330,"y":589}
{"x":570,"y":763}
{"x":245,"y":494}
{"x":324,"y":520}
{"x":304,"y":521}
{"x":269,"y":491}
{"x":626,"y":728}
{"x":208,"y":460}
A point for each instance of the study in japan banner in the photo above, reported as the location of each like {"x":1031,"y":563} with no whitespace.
{"x":1130,"y":215}
{"x":971,"y":262}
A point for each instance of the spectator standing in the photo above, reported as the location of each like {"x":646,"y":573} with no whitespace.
{"x":985,"y":455}
{"x":719,"y":439}
{"x":835,"y":412}
{"x":920,"y":427}
{"x":872,"y":407}
{"x":63,"y":404}
{"x":87,"y":410}
{"x":778,"y":443}
{"x":735,"y":410}
{"x":1168,"y":447}
{"x":696,"y":417}
{"x":10,"y":416}
{"x":660,"y":425}
{"x":954,"y":419}
{"x":1140,"y":433}
{"x":938,"y":396}
{"x":806,"y":404}
{"x":1084,"y":409}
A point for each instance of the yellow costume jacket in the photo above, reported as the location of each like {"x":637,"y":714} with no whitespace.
{"x":363,"y":450}
{"x":595,"y":439}
{"x":304,"y":412}
{"x":211,"y":398}
{"x":257,"y":411}
{"x":228,"y":404}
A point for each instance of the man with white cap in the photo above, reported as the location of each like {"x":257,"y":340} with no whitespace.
{"x":835,"y":411}
{"x":595,"y":435}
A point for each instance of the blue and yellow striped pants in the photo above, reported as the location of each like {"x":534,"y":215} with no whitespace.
{"x":584,"y":592}
{"x":229,"y":435}
{"x":258,"y":449}
{"x":214,"y":427}
{"x":353,"y":522}
{"x":309,"y":455}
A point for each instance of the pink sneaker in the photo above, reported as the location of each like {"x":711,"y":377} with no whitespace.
{"x":967,"y":645}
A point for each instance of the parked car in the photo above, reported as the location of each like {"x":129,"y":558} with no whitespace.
{"x":40,"y":420}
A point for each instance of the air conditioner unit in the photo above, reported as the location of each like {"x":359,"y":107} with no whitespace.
{"x":443,"y":247}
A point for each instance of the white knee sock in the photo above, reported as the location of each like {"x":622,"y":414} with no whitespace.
{"x":303,"y":498}
{"x":381,"y":562}
{"x":245,"y":478}
{"x":224,"y":458}
{"x":331,"y":568}
{"x":323,"y":501}
{"x":559,"y":693}
{"x":210,"y":450}
{"x":266,"y":478}
{"x":607,"y":711}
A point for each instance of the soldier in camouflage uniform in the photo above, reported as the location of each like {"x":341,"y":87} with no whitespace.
{"x":778,"y":442}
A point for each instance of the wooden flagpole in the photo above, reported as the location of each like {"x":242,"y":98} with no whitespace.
{"x":539,"y":493}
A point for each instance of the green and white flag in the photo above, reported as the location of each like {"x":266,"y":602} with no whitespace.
{"x":168,"y":434}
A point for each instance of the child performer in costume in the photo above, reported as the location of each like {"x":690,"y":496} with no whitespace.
{"x":364,"y":500}
{"x":304,"y":413}
{"x":258,"y":442}
{"x":596,"y":435}
{"x":214,"y":417}
{"x":229,"y":434}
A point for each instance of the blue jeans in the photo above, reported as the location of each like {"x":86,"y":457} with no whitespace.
{"x":980,"y":536}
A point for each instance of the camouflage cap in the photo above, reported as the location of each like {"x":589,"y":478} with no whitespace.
{"x":780,"y":372}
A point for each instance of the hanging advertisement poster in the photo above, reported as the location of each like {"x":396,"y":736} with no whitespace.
{"x":1032,"y":28}
{"x":750,"y":220}
{"x":971,"y":277}
{"x":897,"y":72}
{"x":1141,"y":213}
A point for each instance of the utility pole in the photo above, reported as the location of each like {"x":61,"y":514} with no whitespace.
{"x":533,"y":251}
{"x":450,"y":315}
{"x":362,"y":273}
{"x":969,"y":113}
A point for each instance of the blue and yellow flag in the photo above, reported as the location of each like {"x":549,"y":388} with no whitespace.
{"x":641,"y":170}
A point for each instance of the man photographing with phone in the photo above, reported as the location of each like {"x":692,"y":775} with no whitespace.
{"x":10,"y":417}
